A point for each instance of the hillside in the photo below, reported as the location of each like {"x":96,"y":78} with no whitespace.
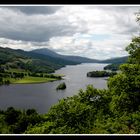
{"x":31,"y":61}
{"x":118,"y":60}
{"x":115,"y":63}
{"x":77,"y":59}
{"x":45,"y":60}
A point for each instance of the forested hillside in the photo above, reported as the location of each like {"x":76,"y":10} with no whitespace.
{"x":118,"y":60}
{"x":10,"y":58}
{"x":77,"y":59}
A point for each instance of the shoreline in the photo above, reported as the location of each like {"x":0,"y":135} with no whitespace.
{"x":33,"y":80}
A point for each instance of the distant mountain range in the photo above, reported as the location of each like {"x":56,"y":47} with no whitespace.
{"x":31,"y":61}
{"x":44,"y":60}
{"x":79,"y":59}
{"x":118,"y":60}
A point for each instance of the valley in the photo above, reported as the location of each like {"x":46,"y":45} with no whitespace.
{"x":37,"y":66}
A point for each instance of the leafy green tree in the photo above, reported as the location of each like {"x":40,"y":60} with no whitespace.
{"x":11,"y":115}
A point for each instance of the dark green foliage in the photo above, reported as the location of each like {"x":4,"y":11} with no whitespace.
{"x":11,"y":115}
{"x":100,"y":74}
{"x":61,"y":86}
{"x":17,"y":121}
{"x":52,"y":76}
{"x":4,"y":82}
{"x":134,"y":50}
{"x":31,"y":117}
{"x":112,"y":67}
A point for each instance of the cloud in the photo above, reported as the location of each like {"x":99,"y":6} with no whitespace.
{"x":31,"y":10}
{"x":18,"y":26}
{"x":92,"y":31}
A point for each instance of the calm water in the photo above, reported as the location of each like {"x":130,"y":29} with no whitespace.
{"x":43,"y":96}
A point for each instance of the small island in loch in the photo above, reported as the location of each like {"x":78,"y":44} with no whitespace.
{"x":100,"y":74}
{"x":62,"y":86}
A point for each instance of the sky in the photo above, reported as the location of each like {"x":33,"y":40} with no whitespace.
{"x":93,"y":31}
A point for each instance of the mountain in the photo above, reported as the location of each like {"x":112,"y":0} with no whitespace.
{"x":115,"y":63}
{"x":77,"y":59}
{"x":11,"y":58}
{"x":118,"y":60}
{"x":46,"y":51}
{"x":44,"y":60}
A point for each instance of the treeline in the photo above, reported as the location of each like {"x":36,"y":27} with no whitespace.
{"x":4,"y":82}
{"x":100,"y":74}
{"x":6,"y":76}
{"x":44,"y":75}
{"x":112,"y":67}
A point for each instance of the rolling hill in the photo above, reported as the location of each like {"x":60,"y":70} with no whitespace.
{"x":77,"y":59}
{"x":118,"y":60}
{"x":19,"y":59}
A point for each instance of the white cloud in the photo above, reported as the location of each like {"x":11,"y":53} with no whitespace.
{"x":98,"y":32}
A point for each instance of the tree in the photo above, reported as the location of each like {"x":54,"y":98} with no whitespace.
{"x":125,"y":87}
{"x":11,"y":115}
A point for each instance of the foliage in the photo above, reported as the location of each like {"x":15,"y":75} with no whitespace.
{"x":61,"y":86}
{"x":17,"y":121}
{"x":100,"y":74}
{"x":112,"y":67}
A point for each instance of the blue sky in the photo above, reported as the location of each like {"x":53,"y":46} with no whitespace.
{"x":96,"y":37}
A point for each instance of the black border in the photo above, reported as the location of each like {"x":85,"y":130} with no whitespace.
{"x":58,"y":2}
{"x":66,"y":137}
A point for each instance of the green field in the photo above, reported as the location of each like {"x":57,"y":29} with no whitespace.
{"x":31,"y":80}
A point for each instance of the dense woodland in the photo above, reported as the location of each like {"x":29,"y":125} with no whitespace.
{"x":93,"y":111}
